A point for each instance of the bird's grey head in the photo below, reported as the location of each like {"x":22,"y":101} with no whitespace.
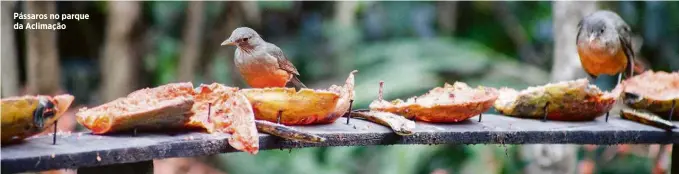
{"x":600,"y":29}
{"x":243,"y":37}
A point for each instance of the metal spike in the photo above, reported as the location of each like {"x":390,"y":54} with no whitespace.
{"x":280,"y":114}
{"x":351,"y":103}
{"x":672,"y":109}
{"x":544,"y":118}
{"x":607,"y":113}
{"x":54,"y":137}
{"x":480,"y":115}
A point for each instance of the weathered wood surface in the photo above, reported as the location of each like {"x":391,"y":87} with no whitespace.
{"x":86,"y":150}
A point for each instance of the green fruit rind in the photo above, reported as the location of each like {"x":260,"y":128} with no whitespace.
{"x":660,"y":107}
{"x":653,"y":91}
{"x":646,"y":118}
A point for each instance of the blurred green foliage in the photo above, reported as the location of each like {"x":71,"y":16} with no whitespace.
{"x":390,"y":42}
{"x":401,"y":44}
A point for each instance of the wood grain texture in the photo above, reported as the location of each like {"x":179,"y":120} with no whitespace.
{"x":87,"y":150}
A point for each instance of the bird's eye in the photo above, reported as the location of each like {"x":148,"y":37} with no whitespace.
{"x":245,"y":39}
{"x":602,"y":30}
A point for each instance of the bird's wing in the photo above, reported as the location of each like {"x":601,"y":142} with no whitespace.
{"x":283,"y":61}
{"x":626,"y":42}
{"x":577,"y":37}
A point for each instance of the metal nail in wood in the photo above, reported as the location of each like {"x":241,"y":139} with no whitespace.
{"x":351,"y":104}
{"x":54,"y":137}
{"x":544,"y":118}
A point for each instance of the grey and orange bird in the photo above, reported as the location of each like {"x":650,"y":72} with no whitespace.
{"x":261,"y":64}
{"x":604,"y":45}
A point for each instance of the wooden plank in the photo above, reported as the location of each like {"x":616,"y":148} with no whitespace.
{"x":74,"y":151}
{"x":143,"y":167}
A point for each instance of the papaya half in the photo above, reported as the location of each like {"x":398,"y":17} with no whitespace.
{"x":26,"y":116}
{"x":653,"y":91}
{"x":450,"y":103}
{"x":574,"y":100}
{"x":303,"y":107}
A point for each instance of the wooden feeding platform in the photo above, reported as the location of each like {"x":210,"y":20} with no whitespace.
{"x":84,"y":150}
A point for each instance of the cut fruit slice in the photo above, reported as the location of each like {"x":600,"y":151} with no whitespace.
{"x":303,"y":107}
{"x":287,"y":132}
{"x":399,"y":124}
{"x":222,"y":109}
{"x":566,"y":101}
{"x":653,"y":91}
{"x":451,"y":103}
{"x":346,"y":99}
{"x":26,"y":116}
{"x":163,"y":107}
{"x":646,"y":118}
{"x":215,"y":108}
{"x":210,"y":103}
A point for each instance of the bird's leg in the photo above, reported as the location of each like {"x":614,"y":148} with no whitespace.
{"x":280,"y":114}
{"x":54,"y":137}
{"x":608,"y":113}
{"x":480,"y":115}
{"x":544,"y":118}
{"x":351,"y":103}
{"x":672,"y":109}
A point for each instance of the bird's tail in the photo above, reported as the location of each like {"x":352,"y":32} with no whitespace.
{"x":639,"y":66}
{"x":295,"y":82}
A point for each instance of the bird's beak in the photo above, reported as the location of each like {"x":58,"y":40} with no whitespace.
{"x":228,"y":42}
{"x":591,"y":37}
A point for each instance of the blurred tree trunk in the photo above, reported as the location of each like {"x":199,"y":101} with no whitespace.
{"x":566,"y":16}
{"x":118,"y":65}
{"x":192,"y":41}
{"x":43,"y":57}
{"x":234,"y":12}
{"x":345,"y":19}
{"x":447,"y":16}
{"x":10,"y":71}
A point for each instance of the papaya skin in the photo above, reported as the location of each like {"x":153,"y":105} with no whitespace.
{"x":19,"y":115}
{"x":660,"y":107}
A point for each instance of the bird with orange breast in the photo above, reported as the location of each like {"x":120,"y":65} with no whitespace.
{"x":261,"y":64}
{"x":605,"y":45}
